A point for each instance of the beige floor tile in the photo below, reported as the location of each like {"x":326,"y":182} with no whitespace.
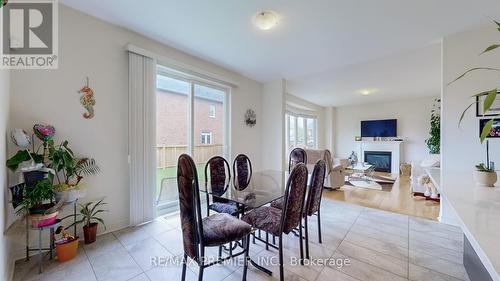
{"x":329,"y":274}
{"x":384,"y":247}
{"x":386,"y":262}
{"x":418,"y":273}
{"x":116,"y":265}
{"x":440,"y":265}
{"x":364,"y":271}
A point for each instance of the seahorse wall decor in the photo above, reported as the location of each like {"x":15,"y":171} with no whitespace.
{"x":87,"y":100}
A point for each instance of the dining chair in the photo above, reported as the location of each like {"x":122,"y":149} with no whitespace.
{"x":219,"y":179}
{"x":313,"y":200}
{"x":297,"y":155}
{"x":242,"y":171}
{"x":282,"y":221}
{"x":211,"y":231}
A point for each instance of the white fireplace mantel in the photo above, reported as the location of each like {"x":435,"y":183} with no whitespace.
{"x":386,"y":146}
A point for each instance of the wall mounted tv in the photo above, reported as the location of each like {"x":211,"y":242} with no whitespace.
{"x":379,"y":128}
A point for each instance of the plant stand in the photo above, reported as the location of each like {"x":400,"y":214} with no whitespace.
{"x":51,"y":228}
{"x":39,"y":249}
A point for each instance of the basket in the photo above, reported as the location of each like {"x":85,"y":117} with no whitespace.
{"x":68,"y":250}
{"x":41,"y":220}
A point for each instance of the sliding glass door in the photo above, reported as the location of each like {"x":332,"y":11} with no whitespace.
{"x":190,"y":118}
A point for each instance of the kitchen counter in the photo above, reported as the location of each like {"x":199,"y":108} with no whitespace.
{"x":477,"y":211}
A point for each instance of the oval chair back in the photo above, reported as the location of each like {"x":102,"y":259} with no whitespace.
{"x":219,"y":177}
{"x":242,"y":171}
{"x":189,"y":203}
{"x":316,"y":188}
{"x":293,"y":204}
{"x":297,"y":155}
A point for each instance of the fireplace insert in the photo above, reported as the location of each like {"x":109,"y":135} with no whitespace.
{"x":382,"y":160}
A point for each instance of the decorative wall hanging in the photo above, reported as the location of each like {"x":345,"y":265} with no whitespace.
{"x":87,"y":100}
{"x":250,"y":118}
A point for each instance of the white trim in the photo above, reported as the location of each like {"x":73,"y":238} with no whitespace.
{"x":193,"y":71}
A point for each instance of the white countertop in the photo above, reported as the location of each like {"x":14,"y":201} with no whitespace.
{"x":478,"y":209}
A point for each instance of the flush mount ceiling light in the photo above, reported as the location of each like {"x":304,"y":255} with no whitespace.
{"x":367,"y":92}
{"x":266,"y":20}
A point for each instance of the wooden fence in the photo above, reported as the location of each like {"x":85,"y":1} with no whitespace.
{"x":166,"y":156}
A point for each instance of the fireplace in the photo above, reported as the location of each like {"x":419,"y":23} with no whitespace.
{"x":382,"y":160}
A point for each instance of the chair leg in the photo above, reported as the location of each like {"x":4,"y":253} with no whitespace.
{"x":200,"y":274}
{"x":274,"y":240}
{"x":253,"y":238}
{"x":247,"y":249}
{"x":220,"y":252}
{"x":230,"y":249}
{"x":307,"y":239}
{"x":280,"y":250}
{"x":267,"y":241}
{"x":319,"y":227}
{"x":301,"y":245}
{"x":184,"y":264}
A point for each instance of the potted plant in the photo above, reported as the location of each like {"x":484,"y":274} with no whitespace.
{"x":434,"y":140}
{"x":66,"y":245}
{"x":88,"y":216}
{"x":485,"y":174}
{"x":69,"y":171}
{"x":38,"y":204}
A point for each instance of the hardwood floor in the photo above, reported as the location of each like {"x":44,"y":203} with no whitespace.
{"x":398,"y":199}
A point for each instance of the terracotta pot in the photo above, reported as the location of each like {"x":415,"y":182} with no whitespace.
{"x":67,"y":251}
{"x":90,"y":233}
{"x":486,"y":179}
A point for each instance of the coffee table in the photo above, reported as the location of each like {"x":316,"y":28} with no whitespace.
{"x":362,"y":175}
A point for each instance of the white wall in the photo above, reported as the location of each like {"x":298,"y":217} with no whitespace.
{"x":94,"y":48}
{"x":413,"y":124}
{"x":273,"y":125}
{"x":461,"y":146}
{"x":5,"y":261}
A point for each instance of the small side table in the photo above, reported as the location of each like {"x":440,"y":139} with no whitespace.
{"x":40,"y":249}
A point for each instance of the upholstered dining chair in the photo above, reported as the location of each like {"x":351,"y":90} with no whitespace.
{"x":282,"y":221}
{"x":313,"y":200}
{"x":211,"y":231}
{"x":218,"y":175}
{"x":297,"y":155}
{"x":242,"y":171}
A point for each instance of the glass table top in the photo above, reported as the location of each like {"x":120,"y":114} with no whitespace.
{"x":264,"y":187}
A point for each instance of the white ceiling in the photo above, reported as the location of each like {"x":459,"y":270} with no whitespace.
{"x":402,"y":76}
{"x":314,"y":37}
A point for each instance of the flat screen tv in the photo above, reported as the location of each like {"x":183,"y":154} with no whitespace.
{"x":379,"y":128}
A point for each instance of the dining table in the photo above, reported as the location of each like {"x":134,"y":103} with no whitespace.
{"x":263,"y":188}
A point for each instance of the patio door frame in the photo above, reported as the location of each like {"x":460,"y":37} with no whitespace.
{"x":164,"y":69}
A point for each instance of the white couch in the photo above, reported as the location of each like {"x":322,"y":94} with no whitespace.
{"x":418,"y":170}
{"x":335,"y":167}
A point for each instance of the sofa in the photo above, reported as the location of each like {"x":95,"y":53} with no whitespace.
{"x":420,"y":182}
{"x":335,"y":167}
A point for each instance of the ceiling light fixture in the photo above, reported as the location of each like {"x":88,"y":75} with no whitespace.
{"x":266,"y":20}
{"x":367,"y":92}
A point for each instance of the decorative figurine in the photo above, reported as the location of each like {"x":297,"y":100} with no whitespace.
{"x":87,"y":100}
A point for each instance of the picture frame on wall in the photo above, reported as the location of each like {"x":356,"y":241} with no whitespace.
{"x":493,"y":111}
{"x":495,"y":129}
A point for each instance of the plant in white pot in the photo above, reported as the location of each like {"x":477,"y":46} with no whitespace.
{"x":485,"y":174}
{"x":70,"y":171}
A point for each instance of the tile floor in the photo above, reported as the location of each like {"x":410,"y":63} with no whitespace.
{"x":378,"y":245}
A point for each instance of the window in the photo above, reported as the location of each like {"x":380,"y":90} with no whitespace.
{"x":206,"y":138}
{"x":301,"y":131}
{"x":211,"y":111}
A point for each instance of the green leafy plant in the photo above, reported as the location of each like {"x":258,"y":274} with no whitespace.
{"x":434,"y":140}
{"x":35,"y":196}
{"x":490,"y":95}
{"x":71,"y":168}
{"x":483,"y":168}
{"x":88,"y":213}
{"x":22,"y":156}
